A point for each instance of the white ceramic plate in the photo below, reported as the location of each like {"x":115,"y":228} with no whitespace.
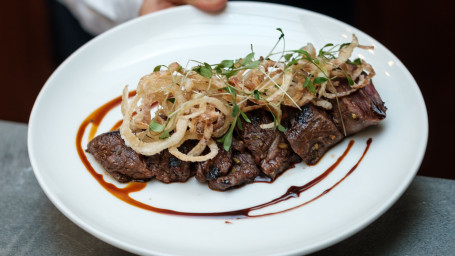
{"x":97,"y":73}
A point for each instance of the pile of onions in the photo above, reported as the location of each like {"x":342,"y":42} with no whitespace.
{"x":192,"y":106}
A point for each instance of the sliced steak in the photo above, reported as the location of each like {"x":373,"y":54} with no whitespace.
{"x":269,"y":148}
{"x":119,"y":160}
{"x":243,"y":171}
{"x":215,"y":167}
{"x":359,"y":110}
{"x":167,"y":168}
{"x":238,"y":145}
{"x":220,"y":164}
{"x":310,"y":132}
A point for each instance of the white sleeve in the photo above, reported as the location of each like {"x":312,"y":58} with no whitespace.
{"x":97,"y":16}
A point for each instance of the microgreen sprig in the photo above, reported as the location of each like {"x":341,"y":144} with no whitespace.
{"x":230,"y":67}
{"x":226,"y":140}
{"x":156,"y":127}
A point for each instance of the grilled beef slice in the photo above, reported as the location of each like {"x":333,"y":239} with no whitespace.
{"x":359,"y":110}
{"x":167,"y":168}
{"x":119,"y":160}
{"x":310,"y":132}
{"x":215,"y":167}
{"x":243,"y":171}
{"x":220,"y":164}
{"x":124,"y":164}
{"x":269,"y":148}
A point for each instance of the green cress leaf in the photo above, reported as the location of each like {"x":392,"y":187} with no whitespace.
{"x":218,"y":69}
{"x":319,"y":80}
{"x":281,"y":128}
{"x":275,"y":121}
{"x":230,"y":90}
{"x":355,"y":62}
{"x":350,"y":82}
{"x":307,"y":55}
{"x":276,"y":44}
{"x":309,"y":84}
{"x":247,"y":59}
{"x":239,"y":124}
{"x":230,"y":73}
{"x":235,"y":110}
{"x":288,"y":56}
{"x":330,"y":56}
{"x":164,"y":135}
{"x":245,"y":117}
{"x":158,"y":68}
{"x":311,"y":88}
{"x":292,"y":62}
{"x":253,"y":64}
{"x":197,"y":69}
{"x":206,"y":71}
{"x":343,"y":45}
{"x":227,"y":140}
{"x":307,"y":81}
{"x":322,"y":52}
{"x":227,"y":63}
{"x":256,"y":94}
{"x":282,"y":34}
{"x":156,"y":127}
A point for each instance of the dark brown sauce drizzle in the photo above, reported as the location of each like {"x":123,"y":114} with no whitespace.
{"x":95,"y":119}
{"x":116,"y":126}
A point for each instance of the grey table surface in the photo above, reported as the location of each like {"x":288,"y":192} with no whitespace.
{"x":421,"y":222}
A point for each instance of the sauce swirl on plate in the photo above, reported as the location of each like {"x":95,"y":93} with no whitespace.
{"x":123,"y":194}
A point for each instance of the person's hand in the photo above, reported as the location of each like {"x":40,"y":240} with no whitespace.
{"x":149,"y":6}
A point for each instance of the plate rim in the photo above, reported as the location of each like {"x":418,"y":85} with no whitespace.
{"x":60,"y":205}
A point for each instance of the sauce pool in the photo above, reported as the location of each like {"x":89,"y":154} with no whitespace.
{"x":123,"y":194}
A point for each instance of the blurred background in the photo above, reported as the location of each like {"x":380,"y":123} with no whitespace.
{"x":36,"y":35}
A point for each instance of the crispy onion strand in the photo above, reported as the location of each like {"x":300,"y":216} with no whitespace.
{"x":195,"y":106}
